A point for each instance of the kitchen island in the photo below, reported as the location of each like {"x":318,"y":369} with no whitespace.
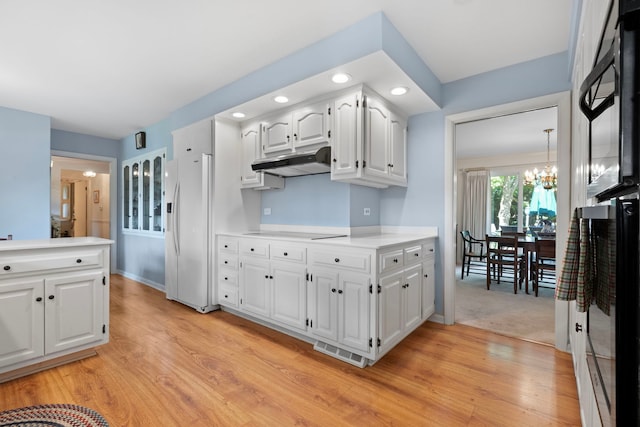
{"x":54,"y":302}
{"x":353,"y":297}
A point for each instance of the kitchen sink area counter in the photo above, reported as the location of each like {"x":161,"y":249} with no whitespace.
{"x":354,"y":297}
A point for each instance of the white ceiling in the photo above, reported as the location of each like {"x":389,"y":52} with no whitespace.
{"x":110,"y":68}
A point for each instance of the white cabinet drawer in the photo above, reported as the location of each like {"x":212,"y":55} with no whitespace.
{"x":351,"y":261}
{"x":429,"y":248}
{"x":81,"y":259}
{"x":288,"y":253}
{"x":391,"y":260}
{"x":228,"y":261}
{"x":412,"y":254}
{"x":227,"y":244}
{"x":228,"y":295}
{"x":228,"y":276}
{"x":254,"y":248}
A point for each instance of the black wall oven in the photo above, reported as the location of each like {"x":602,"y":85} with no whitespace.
{"x":609,"y":98}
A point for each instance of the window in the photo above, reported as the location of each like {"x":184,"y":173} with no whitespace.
{"x":143,"y":193}
{"x":520,"y":206}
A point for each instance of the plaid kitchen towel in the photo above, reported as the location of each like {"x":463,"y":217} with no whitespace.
{"x":575,"y":282}
{"x":567,"y":287}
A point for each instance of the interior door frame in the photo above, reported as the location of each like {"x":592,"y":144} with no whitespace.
{"x":562,"y":101}
{"x":113,"y":195}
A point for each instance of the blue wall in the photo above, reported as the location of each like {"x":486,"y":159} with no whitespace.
{"x":25,"y":139}
{"x":86,"y":144}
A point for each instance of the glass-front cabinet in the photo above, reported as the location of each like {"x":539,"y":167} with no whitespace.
{"x":143,"y":193}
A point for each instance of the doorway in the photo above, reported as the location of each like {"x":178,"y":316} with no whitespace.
{"x":563,"y":103}
{"x":94,"y":193}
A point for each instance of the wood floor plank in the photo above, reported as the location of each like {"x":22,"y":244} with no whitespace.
{"x":168,"y":365}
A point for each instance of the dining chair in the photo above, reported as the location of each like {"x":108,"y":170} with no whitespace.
{"x":544,"y":259}
{"x":503,"y":254}
{"x":472,"y":249}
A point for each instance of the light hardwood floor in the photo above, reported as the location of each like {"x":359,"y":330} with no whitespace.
{"x":167,"y":365}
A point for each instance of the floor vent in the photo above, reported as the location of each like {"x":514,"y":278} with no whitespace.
{"x":338,"y":353}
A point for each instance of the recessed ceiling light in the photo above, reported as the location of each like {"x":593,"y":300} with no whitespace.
{"x":89,"y":174}
{"x":340,"y":78}
{"x":238,"y":115}
{"x":281,"y":99}
{"x":400,"y":90}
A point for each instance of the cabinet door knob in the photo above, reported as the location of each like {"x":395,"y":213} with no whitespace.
{"x":7,"y":267}
{"x":226,"y":296}
{"x":390,"y":165}
{"x":285,"y":254}
{"x":426,"y":275}
{"x":266,"y":276}
{"x":339,"y":291}
{"x":226,"y":262}
{"x":270,"y":277}
{"x":226,"y":246}
{"x":416,"y":254}
{"x":337,"y":260}
{"x":251,"y":249}
{"x":333,"y":290}
{"x":39,"y":299}
{"x":51,"y":297}
{"x":226,"y":278}
{"x":335,"y":160}
{"x":78,"y":260}
{"x":395,"y":260}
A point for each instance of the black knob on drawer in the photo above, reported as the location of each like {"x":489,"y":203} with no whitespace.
{"x":226,"y":262}
{"x":333,"y":290}
{"x":39,"y":299}
{"x":340,"y":291}
{"x":251,"y":249}
{"x":226,"y":296}
{"x":285,"y":254}
{"x":395,"y":260}
{"x":78,"y":260}
{"x":7,"y":267}
{"x":417,"y":254}
{"x":226,"y":246}
{"x":337,"y":260}
{"x":226,"y":278}
{"x":51,"y":297}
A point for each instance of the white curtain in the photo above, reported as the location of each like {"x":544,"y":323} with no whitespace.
{"x":474,"y":213}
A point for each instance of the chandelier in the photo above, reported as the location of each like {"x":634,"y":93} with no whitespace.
{"x":548,"y":177}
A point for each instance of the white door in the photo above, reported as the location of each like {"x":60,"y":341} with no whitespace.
{"x":73,"y":310}
{"x":311,"y":125}
{"x":79,"y":215}
{"x":412,"y":297}
{"x":376,"y":137}
{"x":251,"y":151}
{"x":397,"y":149}
{"x":345,"y":137}
{"x":21,"y":320}
{"x":390,"y":316}
{"x":353,"y":311}
{"x":289,"y":304}
{"x":255,"y":287}
{"x":324,"y":304}
{"x":276,"y":134}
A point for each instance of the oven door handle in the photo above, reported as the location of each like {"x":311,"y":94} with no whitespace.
{"x":585,"y":89}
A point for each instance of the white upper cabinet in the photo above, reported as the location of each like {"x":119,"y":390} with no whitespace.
{"x":276,"y":134}
{"x":311,"y":125}
{"x":293,"y":130}
{"x":251,"y":143}
{"x":251,"y":150}
{"x":345,"y":141}
{"x":376,"y":136}
{"x":369,"y":141}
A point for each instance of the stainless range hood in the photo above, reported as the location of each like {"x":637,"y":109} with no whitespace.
{"x":297,"y":164}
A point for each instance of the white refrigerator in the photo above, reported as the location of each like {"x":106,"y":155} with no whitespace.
{"x":189,"y":218}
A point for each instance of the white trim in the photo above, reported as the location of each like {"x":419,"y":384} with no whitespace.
{"x":563,"y":101}
{"x":155,"y":285}
{"x":113,"y":195}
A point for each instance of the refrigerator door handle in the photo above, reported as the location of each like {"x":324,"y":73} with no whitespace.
{"x":176,"y":212}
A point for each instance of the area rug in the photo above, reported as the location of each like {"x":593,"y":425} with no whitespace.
{"x":58,"y":415}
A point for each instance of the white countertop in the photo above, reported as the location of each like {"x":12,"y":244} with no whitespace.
{"x":63,"y":242}
{"x":369,"y":241}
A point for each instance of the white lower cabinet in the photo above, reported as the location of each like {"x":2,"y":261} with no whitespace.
{"x":354,"y":303}
{"x":340,"y":308}
{"x":53,"y":302}
{"x":274,"y":289}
